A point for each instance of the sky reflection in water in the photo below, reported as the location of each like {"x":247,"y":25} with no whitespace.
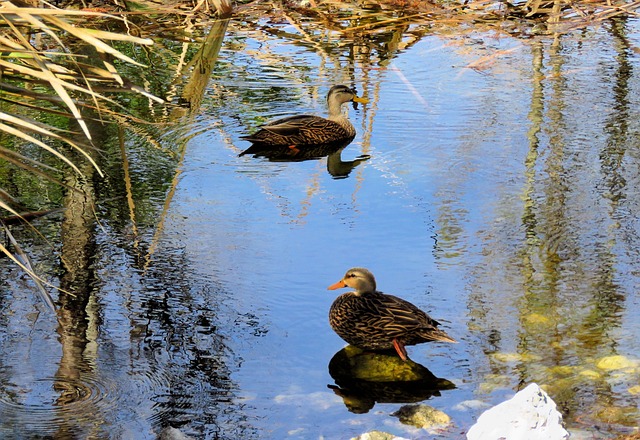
{"x":498,"y":200}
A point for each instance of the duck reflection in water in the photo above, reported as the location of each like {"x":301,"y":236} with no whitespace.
{"x":364,"y":378}
{"x":336,"y":167}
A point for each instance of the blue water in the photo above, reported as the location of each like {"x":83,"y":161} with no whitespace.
{"x":500,"y":200}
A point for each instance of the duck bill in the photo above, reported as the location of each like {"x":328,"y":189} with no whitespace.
{"x":339,"y":285}
{"x":357,"y":100}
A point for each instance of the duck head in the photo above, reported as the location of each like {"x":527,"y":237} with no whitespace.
{"x":341,"y":94}
{"x":359,"y":279}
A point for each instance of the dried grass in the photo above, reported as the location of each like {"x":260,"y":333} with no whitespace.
{"x":538,"y":16}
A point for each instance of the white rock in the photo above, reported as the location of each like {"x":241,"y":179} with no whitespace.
{"x":530,"y":415}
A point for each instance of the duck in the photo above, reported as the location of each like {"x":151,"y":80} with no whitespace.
{"x":375,"y":321}
{"x":296,"y":132}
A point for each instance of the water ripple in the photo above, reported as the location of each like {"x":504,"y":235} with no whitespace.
{"x":48,"y":403}
{"x":77,"y":404}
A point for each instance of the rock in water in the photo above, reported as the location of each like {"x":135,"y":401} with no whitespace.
{"x":378,"y":435}
{"x":531,"y":414}
{"x":170,"y":433}
{"x":422,"y":416}
{"x":355,"y":363}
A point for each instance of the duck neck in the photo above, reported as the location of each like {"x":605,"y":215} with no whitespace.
{"x":363,"y":292}
{"x":340,"y":116}
{"x":335,"y":110}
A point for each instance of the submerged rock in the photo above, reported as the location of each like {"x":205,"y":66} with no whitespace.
{"x":355,"y":363}
{"x":471,"y":404}
{"x":531,"y":414}
{"x":617,"y":362}
{"x":171,"y":433}
{"x":364,"y":378}
{"x":377,"y":435}
{"x":422,"y":416}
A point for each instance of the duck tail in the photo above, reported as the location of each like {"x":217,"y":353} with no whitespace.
{"x":439,"y":336}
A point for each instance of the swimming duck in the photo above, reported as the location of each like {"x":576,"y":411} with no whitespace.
{"x":299,"y":131}
{"x":372,"y":320}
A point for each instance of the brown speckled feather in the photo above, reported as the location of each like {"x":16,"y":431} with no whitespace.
{"x":301,"y":130}
{"x":372,"y":320}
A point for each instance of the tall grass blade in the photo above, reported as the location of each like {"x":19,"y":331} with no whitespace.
{"x":25,"y":263}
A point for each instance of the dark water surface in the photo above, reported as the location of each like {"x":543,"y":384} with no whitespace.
{"x":503,"y":199}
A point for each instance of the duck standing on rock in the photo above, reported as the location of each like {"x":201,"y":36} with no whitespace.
{"x":296,"y":132}
{"x":372,"y":320}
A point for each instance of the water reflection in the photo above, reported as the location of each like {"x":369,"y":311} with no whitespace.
{"x":336,"y":167}
{"x":567,"y":253}
{"x":78,"y":315}
{"x":539,"y":244}
{"x":364,"y":378}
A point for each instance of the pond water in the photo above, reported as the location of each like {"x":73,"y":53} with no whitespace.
{"x":500,"y":196}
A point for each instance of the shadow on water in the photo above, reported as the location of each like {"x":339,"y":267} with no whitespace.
{"x":363,"y":379}
{"x":336,"y":167}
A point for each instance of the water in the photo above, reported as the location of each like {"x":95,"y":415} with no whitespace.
{"x":501,"y":199}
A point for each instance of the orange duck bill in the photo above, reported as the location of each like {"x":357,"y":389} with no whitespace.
{"x":339,"y":285}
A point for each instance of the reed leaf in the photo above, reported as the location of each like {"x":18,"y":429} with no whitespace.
{"x":11,"y":130}
{"x":35,"y":168}
{"x":26,"y":125}
{"x":99,"y":45}
{"x":41,"y":66}
{"x":45,"y":73}
{"x":6,"y":207}
{"x":22,"y":259}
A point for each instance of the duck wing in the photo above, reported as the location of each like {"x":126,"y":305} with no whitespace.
{"x":396,"y":316}
{"x":299,"y":130}
{"x":391,"y":317}
{"x":293,"y":125}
